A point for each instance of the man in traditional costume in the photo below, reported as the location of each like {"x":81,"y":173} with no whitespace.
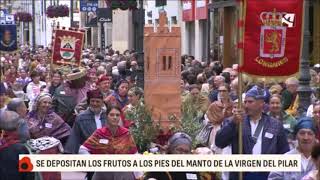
{"x":87,"y":122}
{"x":261,"y":133}
{"x":305,"y":132}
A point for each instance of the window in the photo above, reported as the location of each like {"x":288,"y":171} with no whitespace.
{"x":174,"y":20}
{"x":164,"y":63}
{"x":167,"y":63}
{"x":170,"y":63}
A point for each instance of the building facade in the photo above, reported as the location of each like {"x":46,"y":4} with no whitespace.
{"x":41,"y":31}
{"x":191,"y":16}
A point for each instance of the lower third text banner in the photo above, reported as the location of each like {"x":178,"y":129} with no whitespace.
{"x":159,"y":163}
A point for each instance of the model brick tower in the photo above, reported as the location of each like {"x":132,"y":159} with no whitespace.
{"x":162,"y":71}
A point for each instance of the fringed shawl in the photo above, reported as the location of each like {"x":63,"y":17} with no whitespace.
{"x":103,"y":142}
{"x":52,"y":126}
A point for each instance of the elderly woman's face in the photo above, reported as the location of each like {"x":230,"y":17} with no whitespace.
{"x":181,"y":149}
{"x":292,"y":87}
{"x":45,"y":104}
{"x":123,"y":89}
{"x":275,"y":105}
{"x":113,"y":117}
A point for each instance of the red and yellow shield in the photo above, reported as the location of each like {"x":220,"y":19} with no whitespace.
{"x":67,"y":47}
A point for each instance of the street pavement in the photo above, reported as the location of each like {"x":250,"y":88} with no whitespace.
{"x":73,"y":176}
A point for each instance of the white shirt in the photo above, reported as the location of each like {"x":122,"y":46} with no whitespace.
{"x":310,"y":111}
{"x":98,"y":121}
{"x":212,"y":138}
{"x":258,"y":146}
{"x":305,"y":161}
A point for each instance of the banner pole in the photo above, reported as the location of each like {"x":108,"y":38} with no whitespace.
{"x":240,"y":85}
{"x":52,"y":47}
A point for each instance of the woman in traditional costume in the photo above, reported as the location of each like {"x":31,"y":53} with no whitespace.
{"x":111,"y":139}
{"x":43,"y":121}
{"x":120,"y":96}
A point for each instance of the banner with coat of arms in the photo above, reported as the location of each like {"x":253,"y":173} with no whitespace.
{"x":8,"y":38}
{"x":272,"y":37}
{"x":67,"y":47}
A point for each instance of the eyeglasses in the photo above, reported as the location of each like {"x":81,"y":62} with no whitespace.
{"x":222,"y":90}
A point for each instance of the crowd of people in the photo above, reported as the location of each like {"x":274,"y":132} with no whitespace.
{"x":88,"y":110}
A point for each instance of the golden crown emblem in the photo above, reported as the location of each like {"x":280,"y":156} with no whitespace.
{"x":271,"y":18}
{"x":68,"y":39}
